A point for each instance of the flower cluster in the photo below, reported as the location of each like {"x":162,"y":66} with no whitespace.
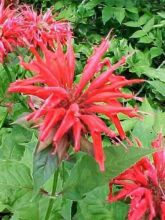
{"x":9,"y":30}
{"x":144,"y":184}
{"x":22,"y":25}
{"x":42,"y":26}
{"x":69,"y":111}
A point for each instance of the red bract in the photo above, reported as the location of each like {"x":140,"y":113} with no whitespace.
{"x":42,"y":26}
{"x":69,"y":110}
{"x":144,"y":184}
{"x":9,"y":30}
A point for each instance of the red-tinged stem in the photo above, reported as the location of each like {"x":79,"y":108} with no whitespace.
{"x":54,"y":187}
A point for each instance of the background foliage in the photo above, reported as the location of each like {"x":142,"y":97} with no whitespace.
{"x":26,"y":178}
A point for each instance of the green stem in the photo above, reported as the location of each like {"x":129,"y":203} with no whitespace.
{"x":8,"y":72}
{"x":50,"y":205}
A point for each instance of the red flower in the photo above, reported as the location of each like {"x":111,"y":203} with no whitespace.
{"x":9,"y":30}
{"x":144,"y":184}
{"x":42,"y":26}
{"x":69,"y":110}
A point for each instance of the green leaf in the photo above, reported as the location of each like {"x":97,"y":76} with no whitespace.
{"x":161,"y":14}
{"x":66,"y":209}
{"x":96,"y":204}
{"x":30,"y":147}
{"x":132,"y":9}
{"x":156,"y":51}
{"x":144,"y":128}
{"x":3,"y":115}
{"x":138,"y":34}
{"x":119,"y":14}
{"x":149,"y":25}
{"x":27,"y":212}
{"x":12,"y":140}
{"x":143,"y":19}
{"x":2,"y":207}
{"x":85,"y":175}
{"x":155,"y":73}
{"x":107,"y":13}
{"x":146,"y":40}
{"x":15,"y":183}
{"x":132,"y":24}
{"x":158,"y":86}
{"x":44,"y":166}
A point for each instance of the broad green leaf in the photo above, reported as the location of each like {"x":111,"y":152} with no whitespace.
{"x":11,"y":147}
{"x":30,"y":147}
{"x":91,"y":4}
{"x":159,"y":125}
{"x":107,"y":13}
{"x":161,"y":14}
{"x":156,"y":51}
{"x":27,"y":212}
{"x":119,"y":14}
{"x":149,"y":25}
{"x":120,"y":159}
{"x":85,"y":175}
{"x":158,"y":86}
{"x":44,"y":166}
{"x":158,"y":74}
{"x":138,"y":34}
{"x":132,"y":24}
{"x":66,"y":209}
{"x":61,"y":209}
{"x":2,"y":207}
{"x":15,"y":183}
{"x":143,"y":19}
{"x":144,"y":128}
{"x":145,"y":40}
{"x":132,"y":9}
{"x":97,"y":206}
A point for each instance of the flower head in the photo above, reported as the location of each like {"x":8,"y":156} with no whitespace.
{"x":68,"y":111}
{"x":9,"y":30}
{"x":144,"y":184}
{"x":42,"y":26}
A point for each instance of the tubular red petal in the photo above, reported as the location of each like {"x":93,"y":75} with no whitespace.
{"x":103,"y":78}
{"x":92,"y":65}
{"x":121,"y":84}
{"x":107,"y":96}
{"x":70,"y":61}
{"x":67,"y":122}
{"x":94,"y":123}
{"x":77,"y":134}
{"x":27,"y":82}
{"x":108,"y":109}
{"x":41,"y":92}
{"x":98,"y":149}
{"x":117,"y":123}
{"x":50,"y":121}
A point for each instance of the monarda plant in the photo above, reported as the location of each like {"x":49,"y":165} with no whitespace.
{"x":10,"y":29}
{"x":69,"y":112}
{"x":42,"y":26}
{"x":21,"y":25}
{"x":144,"y":184}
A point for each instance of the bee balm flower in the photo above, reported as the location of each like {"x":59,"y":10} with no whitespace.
{"x":144,"y":184}
{"x":10,"y":28}
{"x":42,"y":26}
{"x":70,"y":110}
